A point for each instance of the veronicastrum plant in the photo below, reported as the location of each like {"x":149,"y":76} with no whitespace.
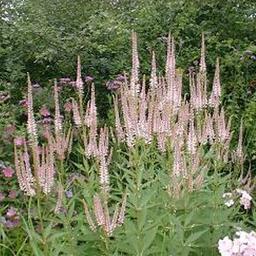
{"x":151,"y":185}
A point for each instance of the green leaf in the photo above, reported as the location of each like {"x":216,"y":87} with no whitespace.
{"x":149,"y":238}
{"x":194,"y":236}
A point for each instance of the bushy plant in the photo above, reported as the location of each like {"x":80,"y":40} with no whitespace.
{"x":162,"y":181}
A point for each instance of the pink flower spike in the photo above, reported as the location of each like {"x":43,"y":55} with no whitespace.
{"x":8,"y":172}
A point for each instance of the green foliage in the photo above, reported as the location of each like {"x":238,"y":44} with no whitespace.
{"x":44,"y":37}
{"x":156,"y":223}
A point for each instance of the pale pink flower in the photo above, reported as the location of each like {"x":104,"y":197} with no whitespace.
{"x":245,"y":199}
{"x":244,"y":244}
{"x":225,"y":246}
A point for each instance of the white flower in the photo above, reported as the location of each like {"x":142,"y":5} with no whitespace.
{"x":245,"y":199}
{"x":243,"y":244}
{"x":227,"y":195}
{"x":229,"y":201}
{"x":225,"y":246}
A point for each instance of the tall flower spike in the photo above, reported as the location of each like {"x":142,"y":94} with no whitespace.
{"x":202,"y":74}
{"x":57,"y":118}
{"x":91,"y":120}
{"x":202,"y":58}
{"x":214,"y":100}
{"x":192,"y":139}
{"x":46,"y":169}
{"x":79,"y":81}
{"x":135,"y":87}
{"x":98,"y":210}
{"x":153,"y":79}
{"x":88,"y":217}
{"x":23,"y":171}
{"x":119,"y":129}
{"x":239,"y":150}
{"x":168,"y":54}
{"x":76,"y":114}
{"x":170,"y":68}
{"x":31,"y":124}
{"x":121,"y":215}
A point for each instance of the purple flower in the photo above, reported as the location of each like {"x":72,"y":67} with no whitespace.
{"x":12,"y":218}
{"x":11,"y":213}
{"x":12,"y":223}
{"x":23,"y":103}
{"x":113,"y":85}
{"x":64,"y":80}
{"x":120,"y":78}
{"x":47,"y":120}
{"x":88,"y":79}
{"x":69,"y":193}
{"x":44,"y":112}
{"x":73,"y":83}
{"x":63,"y":210}
{"x":8,"y":172}
{"x":19,"y":141}
{"x":2,"y":196}
{"x":12,"y":194}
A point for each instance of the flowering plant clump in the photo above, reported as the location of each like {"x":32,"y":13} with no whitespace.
{"x":244,"y":244}
{"x":150,"y":185}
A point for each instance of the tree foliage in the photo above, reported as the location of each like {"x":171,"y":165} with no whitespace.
{"x":44,"y":38}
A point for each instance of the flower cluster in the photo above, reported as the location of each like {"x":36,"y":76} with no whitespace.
{"x":7,"y":191}
{"x":35,"y":164}
{"x":245,"y":199}
{"x":177,"y":123}
{"x":102,"y":217}
{"x":11,"y":218}
{"x":114,"y":85}
{"x":244,"y":244}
